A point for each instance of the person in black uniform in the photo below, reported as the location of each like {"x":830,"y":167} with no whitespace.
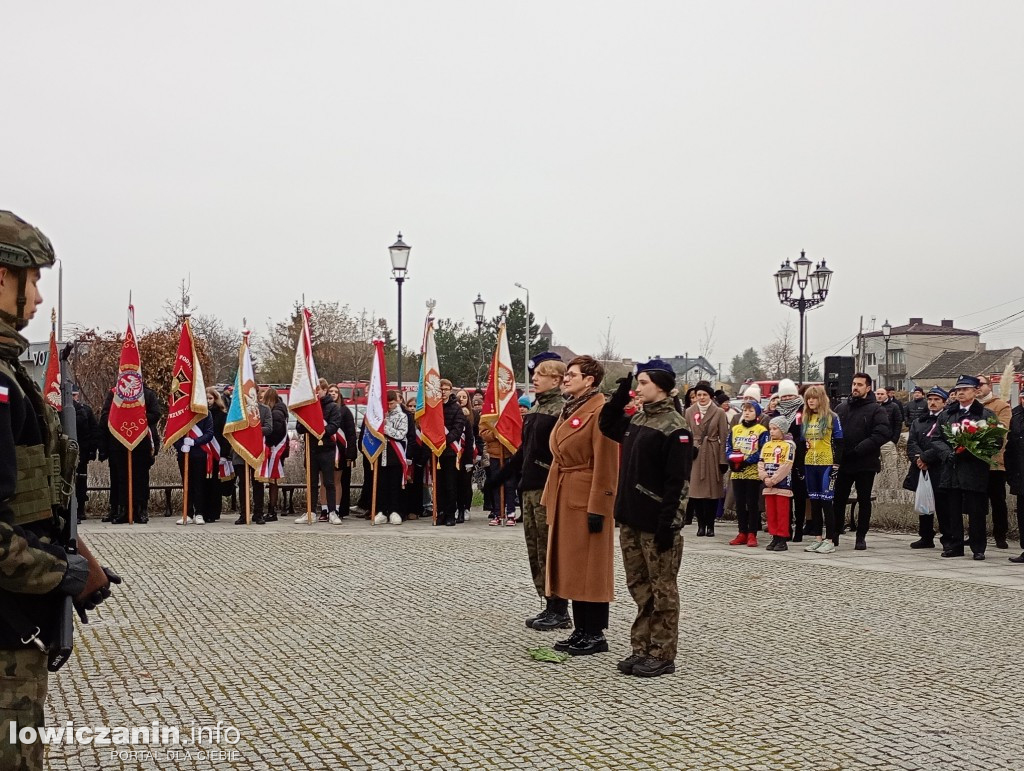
{"x":925,"y":451}
{"x":87,"y":427}
{"x":447,"y":474}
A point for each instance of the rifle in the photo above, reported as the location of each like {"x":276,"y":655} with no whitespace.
{"x":60,"y":652}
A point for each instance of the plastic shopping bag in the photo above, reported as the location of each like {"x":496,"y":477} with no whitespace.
{"x":924,"y":498}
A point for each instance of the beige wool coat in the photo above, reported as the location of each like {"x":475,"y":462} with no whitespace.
{"x":709,"y":435}
{"x":582,"y":480}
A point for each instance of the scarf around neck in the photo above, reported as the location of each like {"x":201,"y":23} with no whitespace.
{"x":788,"y":409}
{"x":571,"y":405}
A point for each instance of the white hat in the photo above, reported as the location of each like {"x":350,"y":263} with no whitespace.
{"x":787,"y":388}
{"x":753,"y":392}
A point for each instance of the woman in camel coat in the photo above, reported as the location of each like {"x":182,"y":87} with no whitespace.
{"x":580,"y":501}
{"x":710,"y":429}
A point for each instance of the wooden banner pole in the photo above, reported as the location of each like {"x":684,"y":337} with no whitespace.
{"x":309,"y":484}
{"x":248,"y":495}
{"x":373,"y":497}
{"x":131,"y":502}
{"x":184,"y":491}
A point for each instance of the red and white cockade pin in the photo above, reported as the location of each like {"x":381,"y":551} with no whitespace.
{"x":575,"y":422}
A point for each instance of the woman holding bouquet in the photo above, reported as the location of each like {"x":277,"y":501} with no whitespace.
{"x":964,"y":479}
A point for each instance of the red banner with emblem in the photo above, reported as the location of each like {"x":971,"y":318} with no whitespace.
{"x":500,"y":411}
{"x":187,"y":401}
{"x":51,"y":384}
{"x":127,"y":421}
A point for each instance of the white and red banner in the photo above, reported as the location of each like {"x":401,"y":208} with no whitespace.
{"x":244,"y":428}
{"x":302,"y":400}
{"x":429,"y":410}
{"x":376,"y":406}
{"x":186,"y":404}
{"x":127,"y":420}
{"x":500,"y":411}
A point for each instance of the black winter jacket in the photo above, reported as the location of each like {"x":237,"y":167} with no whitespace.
{"x":332,"y":422}
{"x":533,"y":460}
{"x":925,"y":442}
{"x":865,"y":429}
{"x":348,"y":429}
{"x":455,"y":424}
{"x":962,"y":471}
{"x":895,"y":416}
{"x":916,"y":408}
{"x":1014,"y":458}
{"x":279,"y":423}
{"x":654,"y":469}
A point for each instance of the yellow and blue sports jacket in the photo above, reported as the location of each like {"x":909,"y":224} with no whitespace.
{"x":743,"y":449}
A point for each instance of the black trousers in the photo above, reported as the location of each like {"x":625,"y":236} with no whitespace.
{"x":196,"y":481}
{"x":975,"y":506}
{"x":389,"y":489}
{"x":321,"y":464}
{"x":1020,"y":520}
{"x":798,"y":506}
{"x":257,"y":491}
{"x":365,"y":495}
{"x":414,"y":493}
{"x":346,"y":489}
{"x":590,"y":617}
{"x":704,"y":510}
{"x":114,"y":470}
{"x":464,"y":488}
{"x":142,"y":459}
{"x":447,"y":485}
{"x":213,"y":497}
{"x":495,"y":489}
{"x":746,"y":492}
{"x":863,"y":481}
{"x":82,"y":487}
{"x":997,"y":500}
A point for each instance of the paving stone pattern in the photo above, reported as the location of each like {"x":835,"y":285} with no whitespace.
{"x":404,"y":648}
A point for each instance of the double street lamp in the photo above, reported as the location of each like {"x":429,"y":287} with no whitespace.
{"x":799,"y":273}
{"x":478,"y":311}
{"x":399,"y":265}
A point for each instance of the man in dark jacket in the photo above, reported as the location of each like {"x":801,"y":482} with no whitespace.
{"x":447,"y":481}
{"x":925,"y":450}
{"x":964,"y":480}
{"x":1015,"y":467}
{"x":866,"y":427}
{"x":87,"y":426}
{"x":917,"y":406}
{"x":321,"y":455}
{"x":893,"y":413}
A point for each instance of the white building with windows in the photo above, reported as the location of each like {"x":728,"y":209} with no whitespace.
{"x":910,"y":347}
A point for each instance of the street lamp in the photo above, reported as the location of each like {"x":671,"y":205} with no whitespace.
{"x":886,"y":333}
{"x":399,"y":265}
{"x":478,"y":312}
{"x":526,"y":365}
{"x":799,"y":273}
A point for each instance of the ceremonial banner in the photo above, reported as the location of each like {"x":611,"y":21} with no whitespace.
{"x":244,"y":429}
{"x":376,"y":406}
{"x":302,"y":400}
{"x":127,"y":420}
{"x":429,"y":410}
{"x":186,"y":404}
{"x":51,"y":383}
{"x":500,"y":411}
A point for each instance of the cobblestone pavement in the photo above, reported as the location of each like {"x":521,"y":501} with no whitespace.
{"x":404,"y":647}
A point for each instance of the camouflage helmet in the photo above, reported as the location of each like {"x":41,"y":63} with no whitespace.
{"x":21,"y":245}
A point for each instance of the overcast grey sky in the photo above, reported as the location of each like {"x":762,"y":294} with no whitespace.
{"x":652,"y":162}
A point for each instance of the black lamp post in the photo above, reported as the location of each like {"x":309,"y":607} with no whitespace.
{"x":478,"y":312}
{"x":886,"y":333}
{"x":800,"y":274}
{"x":399,"y":265}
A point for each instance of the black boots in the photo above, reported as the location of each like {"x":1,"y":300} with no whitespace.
{"x":554,"y":616}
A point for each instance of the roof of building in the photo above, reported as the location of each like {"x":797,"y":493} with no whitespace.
{"x":545,"y":330}
{"x":954,"y":363}
{"x":566,"y":354}
{"x":683,"y":364}
{"x":918,"y":327}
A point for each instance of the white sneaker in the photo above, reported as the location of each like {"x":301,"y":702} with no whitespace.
{"x":302,"y":519}
{"x":827,"y":547}
{"x":189,"y":521}
{"x":334,"y":519}
{"x":814,"y":545}
{"x":199,"y":519}
{"x":380,"y":519}
{"x":395,"y":518}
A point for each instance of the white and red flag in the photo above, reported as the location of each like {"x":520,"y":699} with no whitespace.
{"x":429,"y":410}
{"x":244,"y":428}
{"x":186,"y":404}
{"x":51,"y":383}
{"x":500,"y":411}
{"x":302,"y":400}
{"x":376,"y":406}
{"x":127,"y":420}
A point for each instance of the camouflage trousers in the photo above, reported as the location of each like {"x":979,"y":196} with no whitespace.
{"x":652,"y":581}
{"x":23,"y":677}
{"x":535,"y":525}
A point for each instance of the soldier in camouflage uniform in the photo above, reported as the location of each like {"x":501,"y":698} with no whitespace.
{"x":531,"y":463}
{"x":36,"y":574}
{"x":653,"y":479}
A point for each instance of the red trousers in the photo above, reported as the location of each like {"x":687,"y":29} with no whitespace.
{"x":776,"y":510}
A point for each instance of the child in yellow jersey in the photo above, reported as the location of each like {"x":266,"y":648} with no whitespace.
{"x":775,"y":470}
{"x":743,"y":451}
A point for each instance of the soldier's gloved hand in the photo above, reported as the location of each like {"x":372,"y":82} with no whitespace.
{"x":76,"y":577}
{"x":664,"y":539}
{"x":90,"y":601}
{"x":595,"y":523}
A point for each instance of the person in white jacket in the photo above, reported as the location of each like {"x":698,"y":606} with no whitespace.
{"x":392,"y":464}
